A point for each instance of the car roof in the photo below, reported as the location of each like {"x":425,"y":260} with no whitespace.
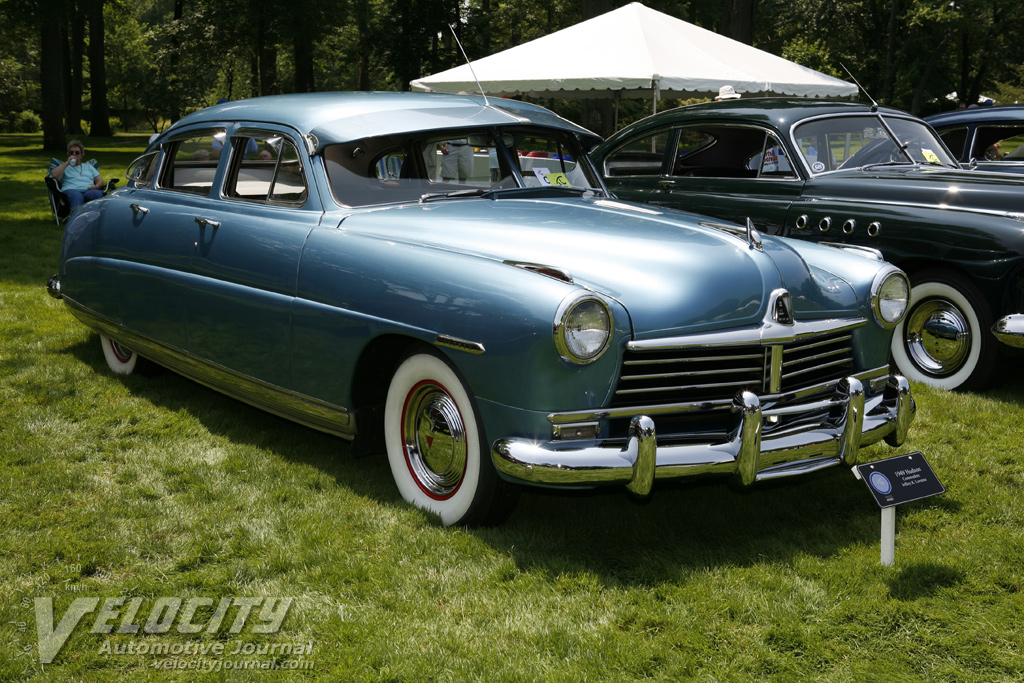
{"x":1001,"y":112}
{"x":779,"y":112}
{"x":345,"y":116}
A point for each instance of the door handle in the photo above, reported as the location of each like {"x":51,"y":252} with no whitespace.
{"x":204,"y":222}
{"x":136,"y":209}
{"x":666,"y":185}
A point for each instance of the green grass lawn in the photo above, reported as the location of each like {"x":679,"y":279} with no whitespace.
{"x":155,"y":487}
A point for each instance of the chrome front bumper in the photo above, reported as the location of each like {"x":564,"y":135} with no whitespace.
{"x":748,"y":454}
{"x":1010,"y":330}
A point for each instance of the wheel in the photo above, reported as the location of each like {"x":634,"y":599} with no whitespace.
{"x":439,"y":456}
{"x":121,"y":360}
{"x":945,"y":340}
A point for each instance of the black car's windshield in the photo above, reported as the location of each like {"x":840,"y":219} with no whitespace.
{"x":829,"y":144}
{"x":453,"y":165}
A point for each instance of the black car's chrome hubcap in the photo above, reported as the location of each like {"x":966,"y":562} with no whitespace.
{"x":435,"y":440}
{"x":938,"y":337}
{"x":124,"y":355}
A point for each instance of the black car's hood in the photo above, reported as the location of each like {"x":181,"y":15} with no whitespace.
{"x":925,"y":185}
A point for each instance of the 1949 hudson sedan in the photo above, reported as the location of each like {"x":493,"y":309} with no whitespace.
{"x":844,"y":172}
{"x":445,"y":279}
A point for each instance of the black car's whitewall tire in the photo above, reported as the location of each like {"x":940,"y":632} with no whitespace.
{"x":945,"y":340}
{"x":121,"y":361}
{"x":438,"y":453}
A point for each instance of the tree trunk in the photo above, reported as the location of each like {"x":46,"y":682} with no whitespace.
{"x":738,"y":20}
{"x":52,"y":87}
{"x":598,"y":114}
{"x":73,"y":92}
{"x":98,"y":72}
{"x":890,"y":54}
{"x":302,"y":46}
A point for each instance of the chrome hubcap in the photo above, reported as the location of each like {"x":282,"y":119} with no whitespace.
{"x":122,"y":354}
{"x":938,"y":337}
{"x":435,"y":440}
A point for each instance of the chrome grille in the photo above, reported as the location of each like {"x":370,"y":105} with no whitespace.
{"x":695,"y":374}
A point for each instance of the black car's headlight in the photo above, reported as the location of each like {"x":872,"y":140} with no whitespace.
{"x":583,"y":328}
{"x":890,"y":296}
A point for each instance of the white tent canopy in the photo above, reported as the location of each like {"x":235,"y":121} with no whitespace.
{"x":634,"y":51}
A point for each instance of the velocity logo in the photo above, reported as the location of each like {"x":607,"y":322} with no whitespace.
{"x":122,"y":616}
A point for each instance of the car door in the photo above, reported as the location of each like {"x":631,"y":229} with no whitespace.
{"x":248,"y":242}
{"x":733,"y":173}
{"x":159,"y":233}
{"x":730,"y":172}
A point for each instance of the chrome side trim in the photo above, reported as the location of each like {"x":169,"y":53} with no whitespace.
{"x":459,"y":344}
{"x":306,"y":410}
{"x":748,"y":454}
{"x":552,"y":272}
{"x":838,"y":201}
{"x":768,"y":333}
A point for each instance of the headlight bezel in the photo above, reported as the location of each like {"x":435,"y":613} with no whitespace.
{"x":562,"y":316}
{"x":883,"y":278}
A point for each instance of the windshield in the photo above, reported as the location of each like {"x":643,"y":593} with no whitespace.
{"x":829,"y":144}
{"x":453,"y":164}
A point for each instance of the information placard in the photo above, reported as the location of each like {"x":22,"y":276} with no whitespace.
{"x":899,"y":480}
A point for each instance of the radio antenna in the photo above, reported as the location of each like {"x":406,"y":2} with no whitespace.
{"x":874,"y":110}
{"x":469,"y":64}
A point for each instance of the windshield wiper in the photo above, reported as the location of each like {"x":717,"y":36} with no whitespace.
{"x":889,"y":163}
{"x":455,"y":194}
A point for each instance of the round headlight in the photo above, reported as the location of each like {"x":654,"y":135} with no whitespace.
{"x":890,"y":296}
{"x":583,"y":329}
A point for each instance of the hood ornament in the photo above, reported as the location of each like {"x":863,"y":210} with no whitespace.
{"x":753,"y":236}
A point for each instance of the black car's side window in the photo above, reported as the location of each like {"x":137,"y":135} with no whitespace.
{"x":266,"y":168}
{"x":956,"y":140}
{"x":775,"y":161}
{"x":639,"y":157}
{"x":192,"y":163}
{"x":719,"y":152}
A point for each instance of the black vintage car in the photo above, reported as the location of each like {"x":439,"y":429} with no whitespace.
{"x":844,"y":172}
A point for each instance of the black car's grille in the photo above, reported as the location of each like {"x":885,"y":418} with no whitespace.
{"x":696,"y":374}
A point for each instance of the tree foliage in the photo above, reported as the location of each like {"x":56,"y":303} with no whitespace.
{"x":153,"y":61}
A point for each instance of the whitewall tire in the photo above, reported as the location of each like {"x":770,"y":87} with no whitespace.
{"x":439,"y":456}
{"x":945,"y":339}
{"x":120,"y":360}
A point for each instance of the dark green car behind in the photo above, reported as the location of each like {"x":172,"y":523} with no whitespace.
{"x":843,"y":172}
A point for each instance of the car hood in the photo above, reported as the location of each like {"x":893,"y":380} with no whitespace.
{"x":674,"y":272}
{"x":955,"y":189}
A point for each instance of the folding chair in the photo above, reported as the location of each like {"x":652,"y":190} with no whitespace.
{"x":59,"y":205}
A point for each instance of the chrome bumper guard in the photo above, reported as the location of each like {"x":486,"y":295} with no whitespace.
{"x":1010,"y":330}
{"x":748,"y":454}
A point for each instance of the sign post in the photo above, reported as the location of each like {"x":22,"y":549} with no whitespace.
{"x":895,"y":481}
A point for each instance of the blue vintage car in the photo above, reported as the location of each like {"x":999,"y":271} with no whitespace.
{"x":846,"y":172}
{"x":445,"y":279}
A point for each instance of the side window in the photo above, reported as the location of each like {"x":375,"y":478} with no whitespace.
{"x":719,"y":152}
{"x":998,"y":143}
{"x":775,"y":162}
{"x":141,"y":171}
{"x":192,"y":163}
{"x":640,"y":157}
{"x":266,"y":168}
{"x":956,"y":140}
